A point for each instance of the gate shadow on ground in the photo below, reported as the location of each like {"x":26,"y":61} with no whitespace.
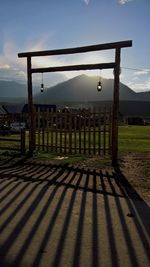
{"x":8,"y":160}
{"x":72,"y":204}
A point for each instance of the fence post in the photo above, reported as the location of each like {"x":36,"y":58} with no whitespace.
{"x":22,"y":141}
{"x":115,"y":109}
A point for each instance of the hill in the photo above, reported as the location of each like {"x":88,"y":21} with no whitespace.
{"x":11,"y":89}
{"x":84,"y":88}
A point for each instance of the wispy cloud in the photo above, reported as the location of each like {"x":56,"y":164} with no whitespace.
{"x":87,"y":1}
{"x":140,"y":86}
{"x":141,"y":72}
{"x":123,"y":2}
{"x":14,"y":69}
{"x":10,"y":67}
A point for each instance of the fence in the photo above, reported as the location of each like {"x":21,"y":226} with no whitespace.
{"x":83,"y":131}
{"x":14,"y":142}
{"x":11,"y":138}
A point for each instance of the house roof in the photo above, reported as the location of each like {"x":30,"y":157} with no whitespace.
{"x":2,"y":110}
{"x":41,"y":106}
{"x":11,"y":109}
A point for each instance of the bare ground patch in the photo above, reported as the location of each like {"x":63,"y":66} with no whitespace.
{"x":136,"y":169}
{"x":134,"y":166}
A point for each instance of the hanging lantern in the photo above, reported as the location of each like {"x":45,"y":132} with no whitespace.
{"x":99,"y":85}
{"x":42,"y":87}
{"x":42,"y":84}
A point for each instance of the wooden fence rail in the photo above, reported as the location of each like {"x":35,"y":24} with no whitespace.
{"x":13,"y":142}
{"x":83,"y":131}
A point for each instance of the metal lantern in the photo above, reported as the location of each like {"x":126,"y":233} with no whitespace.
{"x":42,"y":84}
{"x":99,"y":85}
{"x":42,"y":87}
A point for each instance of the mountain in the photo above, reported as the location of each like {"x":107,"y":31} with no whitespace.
{"x":84,"y":88}
{"x":144,"y":96}
{"x":11,"y":89}
{"x":14,"y":92}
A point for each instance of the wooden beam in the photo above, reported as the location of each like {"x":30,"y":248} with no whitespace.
{"x":115,"y":109}
{"x":74,"y":50}
{"x":30,"y":108}
{"x":75,"y":67}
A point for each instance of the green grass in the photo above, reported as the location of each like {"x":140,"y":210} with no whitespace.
{"x":71,"y":159}
{"x":6,"y":144}
{"x":131,"y":139}
{"x":76,"y":139}
{"x":88,"y":161}
{"x":134,"y":139}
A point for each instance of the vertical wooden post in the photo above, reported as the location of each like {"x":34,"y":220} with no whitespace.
{"x":115,"y":108}
{"x":22,"y":141}
{"x":30,"y":108}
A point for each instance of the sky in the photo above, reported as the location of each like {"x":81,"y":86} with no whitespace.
{"x":35,"y":25}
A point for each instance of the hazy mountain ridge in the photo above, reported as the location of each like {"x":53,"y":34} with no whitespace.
{"x":84,"y":88}
{"x":12,"y":89}
{"x":80,"y":88}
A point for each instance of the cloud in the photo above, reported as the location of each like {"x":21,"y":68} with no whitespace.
{"x":13,"y":68}
{"x":9,"y":66}
{"x":123,"y":2}
{"x":87,"y":1}
{"x":140,"y":86}
{"x":5,"y":66}
{"x":141,"y":72}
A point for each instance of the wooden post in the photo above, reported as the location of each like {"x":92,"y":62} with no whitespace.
{"x":22,"y":141}
{"x":30,"y":108}
{"x":115,"y":109}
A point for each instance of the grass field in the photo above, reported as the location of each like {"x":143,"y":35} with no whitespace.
{"x":134,"y":139}
{"x":131,"y":139}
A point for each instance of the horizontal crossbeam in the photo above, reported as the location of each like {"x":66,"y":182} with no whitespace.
{"x":75,"y":67}
{"x":74,"y":50}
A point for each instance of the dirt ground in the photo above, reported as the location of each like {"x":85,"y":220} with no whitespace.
{"x":67,"y":216}
{"x":134,"y":166}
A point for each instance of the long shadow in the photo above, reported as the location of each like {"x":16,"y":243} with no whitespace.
{"x":139,"y":211}
{"x":35,"y":228}
{"x":66,"y":224}
{"x":95,"y":240}
{"x":14,"y":197}
{"x":5,"y":161}
{"x":41,"y":178}
{"x":23,"y":221}
{"x":10,"y":189}
{"x":109,"y":226}
{"x":13,"y":160}
{"x":52,"y":221}
{"x":4,"y":180}
{"x":125,"y":231}
{"x":79,"y":233}
{"x":56,"y":176}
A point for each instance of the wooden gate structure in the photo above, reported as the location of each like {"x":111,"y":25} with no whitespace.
{"x":117,"y":46}
{"x":80,"y":131}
